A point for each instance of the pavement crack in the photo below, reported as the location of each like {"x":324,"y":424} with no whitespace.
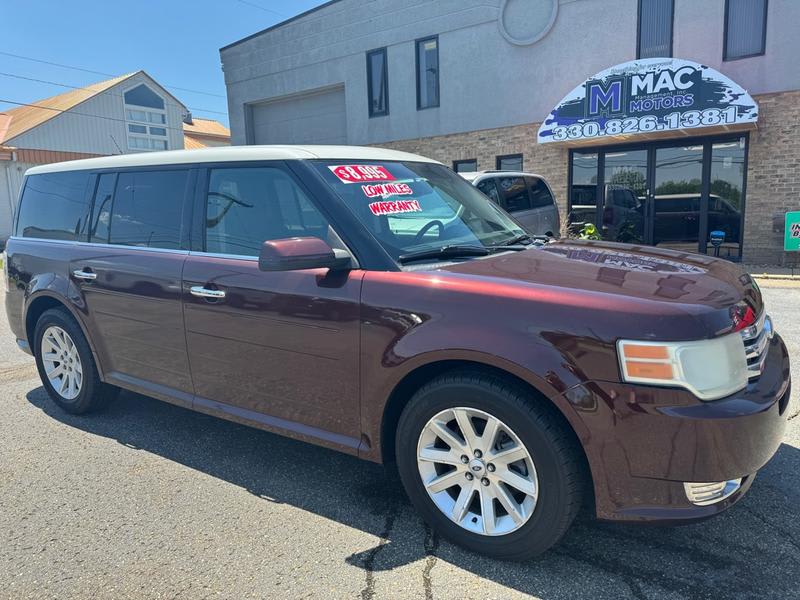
{"x":788,"y":537}
{"x":368,"y":593}
{"x":431,"y":547}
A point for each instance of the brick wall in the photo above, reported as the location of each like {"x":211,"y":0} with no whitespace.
{"x":773,"y":180}
{"x":773,"y":177}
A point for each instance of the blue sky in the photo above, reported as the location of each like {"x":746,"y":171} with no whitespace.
{"x":175,"y":41}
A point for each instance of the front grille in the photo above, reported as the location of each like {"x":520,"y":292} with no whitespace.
{"x":756,"y":345}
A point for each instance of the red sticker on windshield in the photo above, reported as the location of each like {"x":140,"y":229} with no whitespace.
{"x":361,"y":173}
{"x":387,"y":189}
{"x":396,"y":207}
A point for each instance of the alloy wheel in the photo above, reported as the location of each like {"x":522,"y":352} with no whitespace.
{"x":62,"y":363}
{"x":477,"y":471}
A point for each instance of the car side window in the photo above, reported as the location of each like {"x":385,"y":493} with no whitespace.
{"x":488,"y":187}
{"x":515,"y":193}
{"x":144,"y":208}
{"x":54,"y":206}
{"x":248,"y":206}
{"x":540,"y":193}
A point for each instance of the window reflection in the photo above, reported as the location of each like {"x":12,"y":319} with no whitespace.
{"x":622,"y":219}
{"x":725,"y":199}
{"x":583,"y":197}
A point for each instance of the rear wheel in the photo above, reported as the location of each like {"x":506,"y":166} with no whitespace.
{"x":487,"y":466}
{"x":65,"y":364}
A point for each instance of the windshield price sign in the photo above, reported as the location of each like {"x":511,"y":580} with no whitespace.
{"x":361,"y":173}
{"x":648,"y":96}
{"x":791,"y":239}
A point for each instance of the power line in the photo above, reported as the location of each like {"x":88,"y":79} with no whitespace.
{"x":72,"y":112}
{"x":269,"y":10}
{"x":75,"y":87}
{"x":63,"y":66}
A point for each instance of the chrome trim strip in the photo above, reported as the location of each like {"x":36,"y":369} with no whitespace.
{"x":703,"y":494}
{"x":99,"y":245}
{"x":757,"y":347}
{"x":756,"y":340}
{"x":230,"y":256}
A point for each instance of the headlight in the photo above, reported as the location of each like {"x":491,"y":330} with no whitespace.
{"x":710,"y":369}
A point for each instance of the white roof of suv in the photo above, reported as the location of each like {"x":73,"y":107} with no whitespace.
{"x":232,"y":154}
{"x":471,"y":176}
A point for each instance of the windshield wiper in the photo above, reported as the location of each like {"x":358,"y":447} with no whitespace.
{"x":452,"y":251}
{"x":519,"y":239}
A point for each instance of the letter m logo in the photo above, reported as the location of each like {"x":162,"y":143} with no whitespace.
{"x":604,"y":99}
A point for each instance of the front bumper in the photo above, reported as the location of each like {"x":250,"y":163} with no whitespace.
{"x":644,"y":442}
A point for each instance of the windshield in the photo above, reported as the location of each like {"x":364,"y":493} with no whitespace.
{"x":413,"y":207}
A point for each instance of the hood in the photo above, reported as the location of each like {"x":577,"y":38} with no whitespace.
{"x":693,"y":282}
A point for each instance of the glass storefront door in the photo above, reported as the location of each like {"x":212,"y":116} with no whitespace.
{"x":625,"y":188}
{"x":726,"y":195}
{"x":676,"y":198}
{"x":668,"y":194}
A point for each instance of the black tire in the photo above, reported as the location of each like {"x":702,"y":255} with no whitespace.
{"x":93,"y":394}
{"x":557,"y":458}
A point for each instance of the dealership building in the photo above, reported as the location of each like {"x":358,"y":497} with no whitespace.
{"x":663,"y":122}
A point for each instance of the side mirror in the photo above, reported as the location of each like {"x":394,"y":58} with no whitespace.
{"x":294,"y":254}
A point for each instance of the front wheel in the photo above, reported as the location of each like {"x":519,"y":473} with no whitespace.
{"x":488,"y":466}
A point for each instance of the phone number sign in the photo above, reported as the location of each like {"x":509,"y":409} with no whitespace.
{"x":648,"y":96}
{"x":791,"y":239}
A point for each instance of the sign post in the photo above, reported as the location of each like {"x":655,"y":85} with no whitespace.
{"x":791,"y":240}
{"x":791,"y":236}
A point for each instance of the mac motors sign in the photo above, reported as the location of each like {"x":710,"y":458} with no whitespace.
{"x":651,"y":96}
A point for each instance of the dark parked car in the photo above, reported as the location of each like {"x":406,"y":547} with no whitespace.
{"x":622,"y":216}
{"x":678,"y":216}
{"x":289,"y":288}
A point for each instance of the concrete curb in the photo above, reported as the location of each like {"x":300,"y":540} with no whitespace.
{"x":776,"y":277}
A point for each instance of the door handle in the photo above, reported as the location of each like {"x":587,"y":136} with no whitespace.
{"x":84,"y":275}
{"x":202,"y":292}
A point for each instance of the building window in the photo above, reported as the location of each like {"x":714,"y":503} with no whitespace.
{"x":427,"y":73}
{"x":745,"y":28}
{"x":510,"y":162}
{"x":146,"y":119}
{"x":655,"y":28}
{"x":469,"y":165}
{"x":377,"y":83}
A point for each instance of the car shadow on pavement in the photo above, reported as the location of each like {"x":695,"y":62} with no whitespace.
{"x":751,"y":550}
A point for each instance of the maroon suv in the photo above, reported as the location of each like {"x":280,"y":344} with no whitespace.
{"x":374,"y":302}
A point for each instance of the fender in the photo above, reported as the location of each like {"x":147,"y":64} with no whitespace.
{"x":63,"y":290}
{"x":418,"y":348}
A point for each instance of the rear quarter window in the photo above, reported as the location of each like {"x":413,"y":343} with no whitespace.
{"x":54,"y":206}
{"x":540,"y":193}
{"x":515,"y":194}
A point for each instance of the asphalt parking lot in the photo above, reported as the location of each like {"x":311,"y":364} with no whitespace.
{"x":148,"y":500}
